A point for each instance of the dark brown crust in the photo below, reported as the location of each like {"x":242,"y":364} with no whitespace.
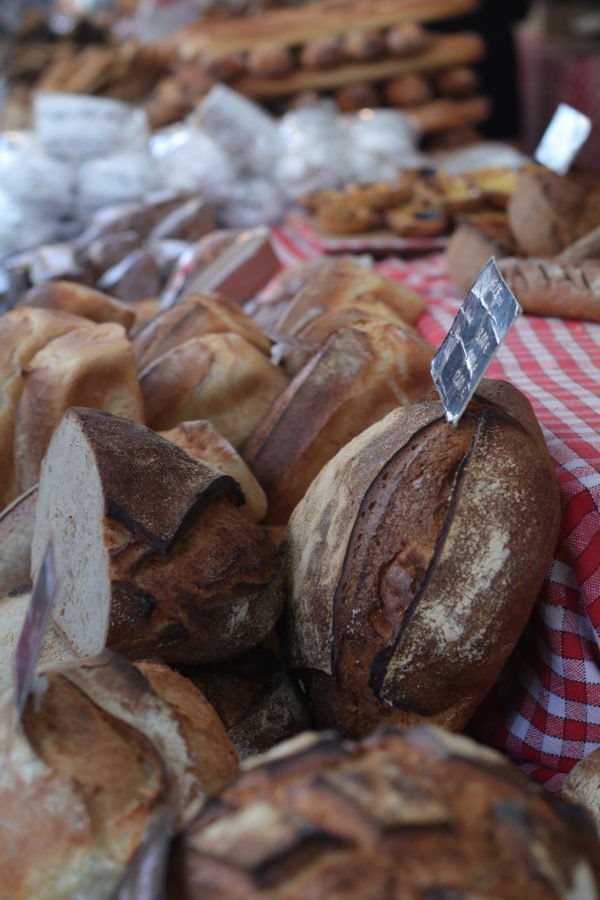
{"x":547,"y":288}
{"x":461,"y":820}
{"x":137,"y":466}
{"x":432,"y":581}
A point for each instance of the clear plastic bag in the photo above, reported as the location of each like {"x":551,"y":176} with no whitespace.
{"x":188,"y":159}
{"x":30,"y":176}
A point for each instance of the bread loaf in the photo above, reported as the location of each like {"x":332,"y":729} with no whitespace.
{"x":161,"y":562}
{"x":22,"y":333}
{"x":549,"y":288}
{"x":203,"y":441}
{"x":16,"y":534}
{"x":403,"y":814}
{"x":219,"y":377}
{"x":360,"y":375}
{"x":414,"y":561}
{"x":192,"y":317}
{"x":92,"y":366}
{"x":79,"y":300}
{"x":468,"y":250}
{"x":255,"y":698}
{"x":583,"y":785}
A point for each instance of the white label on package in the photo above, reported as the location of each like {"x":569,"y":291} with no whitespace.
{"x":483,"y":321}
{"x":563,"y":139}
{"x":79,"y":127}
{"x":34,"y":628}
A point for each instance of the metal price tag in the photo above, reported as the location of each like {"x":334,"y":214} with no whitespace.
{"x":564,"y":137}
{"x":28,"y":649}
{"x":483,"y":321}
{"x":146,"y":875}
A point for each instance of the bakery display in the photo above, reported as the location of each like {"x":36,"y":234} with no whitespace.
{"x":417,"y":813}
{"x":414,"y":559}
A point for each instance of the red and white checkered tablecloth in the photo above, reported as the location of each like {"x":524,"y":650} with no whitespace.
{"x":545,"y":710}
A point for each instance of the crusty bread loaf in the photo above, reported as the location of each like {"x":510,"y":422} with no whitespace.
{"x":79,"y":300}
{"x":550,"y":288}
{"x":23,"y":332}
{"x":468,"y":250}
{"x":192,"y":317}
{"x":403,"y":814}
{"x":343,"y":283}
{"x":16,"y":534}
{"x":161,"y":561}
{"x":583,"y":785}
{"x":92,"y":366}
{"x":219,"y":377}
{"x":356,"y":379}
{"x":203,"y":441}
{"x":255,"y":698}
{"x":414,"y":561}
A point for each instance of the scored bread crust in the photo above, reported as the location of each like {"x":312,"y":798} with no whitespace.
{"x":79,"y":300}
{"x":219,"y":377}
{"x":415,"y":559}
{"x":360,"y":375}
{"x":192,"y":317}
{"x":162,"y":562}
{"x":23,"y":332}
{"x":91,"y":366}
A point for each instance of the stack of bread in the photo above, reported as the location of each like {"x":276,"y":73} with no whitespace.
{"x":411,"y":555}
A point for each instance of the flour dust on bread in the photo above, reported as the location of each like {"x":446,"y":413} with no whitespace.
{"x":162,"y":562}
{"x":414,"y":560}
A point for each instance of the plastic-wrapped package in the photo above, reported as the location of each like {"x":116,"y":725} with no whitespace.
{"x":488,"y":154}
{"x":251,"y":202}
{"x":243,"y":129}
{"x":190,"y":160}
{"x":30,"y":176}
{"x":380,"y":142}
{"x":76,"y":127}
{"x":119,"y":178}
{"x":23,"y":226}
{"x":314,"y":153}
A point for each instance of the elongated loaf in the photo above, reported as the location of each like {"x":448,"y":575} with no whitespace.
{"x":203,"y":441}
{"x":219,"y":377}
{"x":415,"y":559}
{"x":79,"y":300}
{"x":23,"y":332}
{"x":550,"y":288}
{"x":155,"y":555}
{"x":356,"y":379}
{"x":192,"y":317}
{"x":403,"y":814}
{"x":16,"y":534}
{"x":92,"y":366}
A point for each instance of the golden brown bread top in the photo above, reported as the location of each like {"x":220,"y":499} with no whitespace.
{"x":78,"y":300}
{"x":403,"y":814}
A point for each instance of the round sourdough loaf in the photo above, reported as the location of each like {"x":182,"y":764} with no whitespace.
{"x":414,"y":561}
{"x":154,"y":555}
{"x":403,"y":815}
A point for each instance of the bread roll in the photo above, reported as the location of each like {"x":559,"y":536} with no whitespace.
{"x":341,"y":282}
{"x":356,"y":379}
{"x":583,"y":785}
{"x":16,"y":534}
{"x":219,"y":377}
{"x":79,"y":300}
{"x":408,"y":90}
{"x":354,"y":97}
{"x":407,"y":40}
{"x":362,"y":44}
{"x":224,"y":65}
{"x":93,"y":366}
{"x":270,"y":61}
{"x":548,"y":288}
{"x":22,"y":333}
{"x":322,"y":53}
{"x":193,"y":317}
{"x":415,"y":559}
{"x":460,"y":81}
{"x":256,"y":699}
{"x":203,"y":441}
{"x":156,"y":558}
{"x":403,"y":814}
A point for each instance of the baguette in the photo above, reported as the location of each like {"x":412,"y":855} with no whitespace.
{"x":550,"y":288}
{"x":79,"y":300}
{"x":162,"y":562}
{"x":16,"y":534}
{"x":403,"y":814}
{"x":219,"y":377}
{"x":414,"y":560}
{"x":91,"y":366}
{"x":360,"y":375}
{"x":192,"y":317}
{"x":203,"y":441}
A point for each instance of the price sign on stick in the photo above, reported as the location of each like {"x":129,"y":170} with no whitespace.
{"x":34,"y":628}
{"x":146,"y":874}
{"x":563,"y":139}
{"x":483,"y":321}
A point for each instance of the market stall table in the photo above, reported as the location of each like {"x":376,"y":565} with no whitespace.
{"x":545,"y":710}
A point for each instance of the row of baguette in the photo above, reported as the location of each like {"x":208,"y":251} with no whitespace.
{"x":404,"y":534}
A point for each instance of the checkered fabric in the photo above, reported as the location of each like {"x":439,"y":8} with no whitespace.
{"x":545,"y":710}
